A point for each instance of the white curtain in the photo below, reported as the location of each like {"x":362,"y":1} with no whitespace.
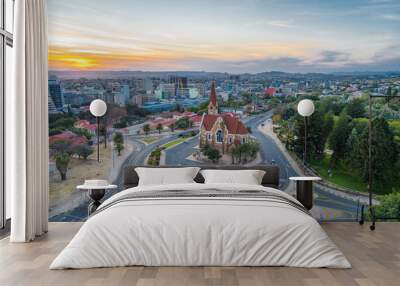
{"x":27,"y":124}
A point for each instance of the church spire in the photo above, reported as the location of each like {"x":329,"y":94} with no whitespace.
{"x":213,"y":105}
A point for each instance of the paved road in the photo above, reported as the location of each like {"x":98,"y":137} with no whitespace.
{"x":141,"y":152}
{"x":178,"y":154}
{"x":268,"y":149}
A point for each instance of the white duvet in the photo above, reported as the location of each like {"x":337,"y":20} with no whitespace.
{"x":206,"y":231}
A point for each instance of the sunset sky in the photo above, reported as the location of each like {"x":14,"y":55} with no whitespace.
{"x":226,"y":36}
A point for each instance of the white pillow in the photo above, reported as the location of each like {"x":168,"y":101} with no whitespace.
{"x":247,"y":177}
{"x":166,"y":176}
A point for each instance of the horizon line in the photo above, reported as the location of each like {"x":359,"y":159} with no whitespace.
{"x":230,"y":73}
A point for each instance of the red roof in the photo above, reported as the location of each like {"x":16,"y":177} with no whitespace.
{"x":270,"y":91}
{"x":233,"y":124}
{"x":188,"y":114}
{"x":85,"y":125}
{"x":196,"y":119}
{"x":163,"y":121}
{"x":213,"y":95}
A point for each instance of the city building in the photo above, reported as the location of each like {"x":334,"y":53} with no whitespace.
{"x":51,"y":107}
{"x":122,"y":96}
{"x":165,"y":91}
{"x":221,"y":131}
{"x":55,"y":92}
{"x":270,"y":91}
{"x":213,"y":104}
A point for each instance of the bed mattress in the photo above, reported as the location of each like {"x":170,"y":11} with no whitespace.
{"x":201,"y":225}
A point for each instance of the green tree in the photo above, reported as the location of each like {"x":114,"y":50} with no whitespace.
{"x":389,"y":206}
{"x":331,"y":104}
{"x":159,"y":128}
{"x":62,"y":160}
{"x":214,"y":155}
{"x":183,"y":123}
{"x":81,"y":132}
{"x":60,"y":146}
{"x":118,"y":142}
{"x":146,"y":129}
{"x":384,"y":151}
{"x":318,"y":127}
{"x":211,"y":153}
{"x":243,"y":152}
{"x":83,"y":151}
{"x":339,"y":137}
{"x":133,"y":109}
{"x":356,"y":108}
{"x":353,"y":157}
{"x":62,"y":123}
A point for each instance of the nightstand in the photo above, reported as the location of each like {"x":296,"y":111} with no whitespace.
{"x":96,"y":190}
{"x":304,"y":190}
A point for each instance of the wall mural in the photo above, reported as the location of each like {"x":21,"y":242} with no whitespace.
{"x":199,"y":82}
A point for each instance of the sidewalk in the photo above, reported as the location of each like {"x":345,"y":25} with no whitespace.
{"x":267,"y":130}
{"x":118,"y":161}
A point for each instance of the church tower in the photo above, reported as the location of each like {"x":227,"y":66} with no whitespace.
{"x":213,"y":105}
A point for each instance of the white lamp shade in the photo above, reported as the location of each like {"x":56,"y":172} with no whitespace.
{"x":305,"y":107}
{"x":98,"y":108}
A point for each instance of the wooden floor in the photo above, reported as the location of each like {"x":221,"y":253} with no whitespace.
{"x":375,"y":257}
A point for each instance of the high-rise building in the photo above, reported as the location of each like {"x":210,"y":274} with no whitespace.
{"x":51,"y":107}
{"x":55,"y":92}
{"x":122,"y":96}
{"x":180,"y":81}
{"x":165,"y":91}
{"x":193,"y":92}
{"x":148,"y":85}
{"x":181,"y":85}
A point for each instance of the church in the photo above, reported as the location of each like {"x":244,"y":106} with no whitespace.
{"x":221,"y":131}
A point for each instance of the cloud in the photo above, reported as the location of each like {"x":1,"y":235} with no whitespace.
{"x":273,"y":23}
{"x":281,"y":24}
{"x":391,"y":17}
{"x":328,"y":57}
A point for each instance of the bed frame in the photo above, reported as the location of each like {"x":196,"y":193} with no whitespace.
{"x":270,"y":179}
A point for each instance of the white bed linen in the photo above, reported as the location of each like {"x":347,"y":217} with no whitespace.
{"x":211,"y":231}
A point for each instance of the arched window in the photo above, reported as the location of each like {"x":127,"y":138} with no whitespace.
{"x":220,"y":136}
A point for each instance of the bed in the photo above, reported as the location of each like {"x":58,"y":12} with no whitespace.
{"x":198,"y":224}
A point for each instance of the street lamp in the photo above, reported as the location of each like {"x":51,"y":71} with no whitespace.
{"x":98,"y":108}
{"x":305,"y":108}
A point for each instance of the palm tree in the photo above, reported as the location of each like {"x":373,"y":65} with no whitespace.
{"x":159,"y":128}
{"x":146,"y":129}
{"x":118,"y":142}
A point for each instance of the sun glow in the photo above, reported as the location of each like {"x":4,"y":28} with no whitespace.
{"x":82,"y":63}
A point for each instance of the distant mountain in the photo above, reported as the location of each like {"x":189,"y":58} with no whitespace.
{"x":268,"y":75}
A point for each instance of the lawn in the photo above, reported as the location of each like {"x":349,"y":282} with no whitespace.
{"x":150,"y":139}
{"x":174,"y":142}
{"x":339,"y":175}
{"x":63,"y":194}
{"x":349,"y":179}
